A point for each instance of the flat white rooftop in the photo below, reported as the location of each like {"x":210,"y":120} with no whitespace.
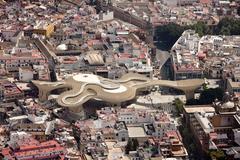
{"x":118,"y":90}
{"x":136,"y":132}
{"x":87,"y":78}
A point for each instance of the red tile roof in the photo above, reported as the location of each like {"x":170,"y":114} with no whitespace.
{"x":49,"y":149}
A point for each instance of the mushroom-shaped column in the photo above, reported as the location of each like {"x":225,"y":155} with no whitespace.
{"x":44,"y":88}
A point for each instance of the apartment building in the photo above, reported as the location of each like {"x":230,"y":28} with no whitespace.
{"x":185,"y":61}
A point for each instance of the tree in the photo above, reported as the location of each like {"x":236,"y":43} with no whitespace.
{"x":205,"y":86}
{"x":132,"y":145}
{"x":154,"y":150}
{"x":209,"y":95}
{"x":135,"y":144}
{"x":201,"y":28}
{"x":217,"y":155}
{"x":179,"y":105}
{"x":128,"y":146}
{"x":167,"y":35}
{"x":225,"y":31}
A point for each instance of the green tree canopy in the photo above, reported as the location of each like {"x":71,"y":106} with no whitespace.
{"x":179,"y":105}
{"x":167,"y":35}
{"x":132,"y":145}
{"x":135,"y":143}
{"x":128,"y":146}
{"x":209,"y":95}
{"x":225,"y":31}
{"x":217,"y":155}
{"x":201,"y":28}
